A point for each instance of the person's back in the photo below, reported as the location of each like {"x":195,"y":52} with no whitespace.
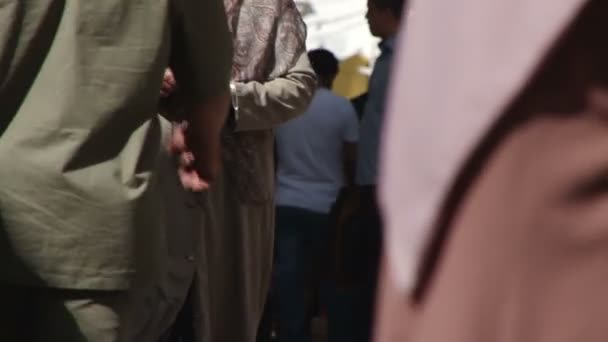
{"x":310,"y":151}
{"x":79,"y":137}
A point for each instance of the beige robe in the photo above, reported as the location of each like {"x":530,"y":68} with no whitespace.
{"x":496,"y":225}
{"x":235,"y":264}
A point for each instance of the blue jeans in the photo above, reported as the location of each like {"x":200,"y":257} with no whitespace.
{"x":300,"y":243}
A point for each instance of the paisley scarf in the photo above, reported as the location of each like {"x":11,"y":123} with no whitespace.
{"x":268,"y":36}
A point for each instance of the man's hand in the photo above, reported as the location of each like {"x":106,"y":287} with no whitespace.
{"x":189,"y":177}
{"x":197,"y":143}
{"x":178,"y":146}
{"x":169,"y":84}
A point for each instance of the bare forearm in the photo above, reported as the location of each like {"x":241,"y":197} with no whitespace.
{"x":206,"y":120}
{"x":350,"y":162}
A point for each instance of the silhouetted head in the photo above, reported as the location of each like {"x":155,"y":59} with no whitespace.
{"x":326,"y":66}
{"x":384,"y":17}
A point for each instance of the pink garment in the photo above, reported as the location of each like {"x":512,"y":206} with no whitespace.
{"x":460,"y":64}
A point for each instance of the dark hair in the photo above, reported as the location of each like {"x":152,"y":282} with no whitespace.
{"x":395,"y":6}
{"x":324,"y":63}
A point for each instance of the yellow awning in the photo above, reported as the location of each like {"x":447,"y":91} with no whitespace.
{"x":351,"y":82}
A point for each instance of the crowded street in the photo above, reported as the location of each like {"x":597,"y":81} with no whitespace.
{"x":303,"y":170}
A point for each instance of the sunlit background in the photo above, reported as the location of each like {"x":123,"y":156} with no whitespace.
{"x":340,"y":26}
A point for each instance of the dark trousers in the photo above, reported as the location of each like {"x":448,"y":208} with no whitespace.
{"x":350,"y":295}
{"x":300,"y":244}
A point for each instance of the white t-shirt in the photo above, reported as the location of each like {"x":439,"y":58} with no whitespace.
{"x":310,"y":151}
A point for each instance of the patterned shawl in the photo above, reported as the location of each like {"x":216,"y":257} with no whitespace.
{"x":269,"y":36}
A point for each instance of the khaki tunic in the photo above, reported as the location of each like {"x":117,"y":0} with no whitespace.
{"x":79,"y":141}
{"x":154,"y":306}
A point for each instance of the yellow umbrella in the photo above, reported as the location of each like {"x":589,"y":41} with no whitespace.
{"x":351,"y":82}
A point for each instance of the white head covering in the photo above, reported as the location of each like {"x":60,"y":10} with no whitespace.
{"x":459,"y":65}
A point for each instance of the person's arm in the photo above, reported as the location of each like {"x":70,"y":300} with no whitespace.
{"x":266,"y":105}
{"x":350,"y":162}
{"x":351,"y":139}
{"x":201,"y":58}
